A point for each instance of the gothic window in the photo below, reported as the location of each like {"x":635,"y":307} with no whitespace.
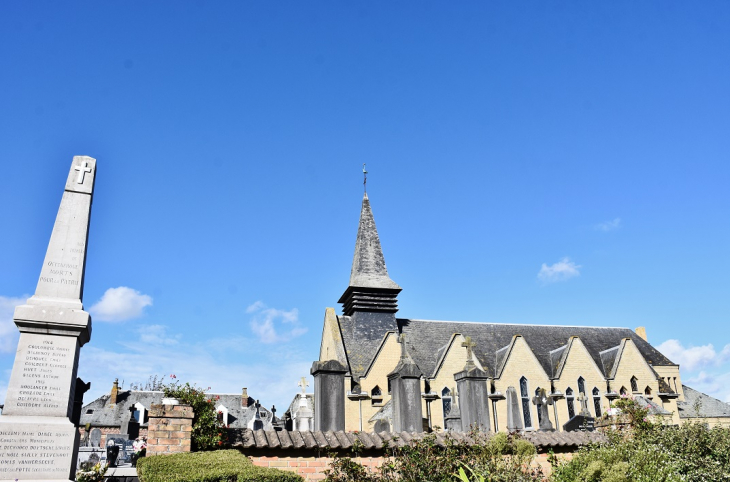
{"x":376,"y":396}
{"x":622,"y":391}
{"x":581,"y":386}
{"x":446,"y":402}
{"x":569,"y":398}
{"x":539,"y":406}
{"x":525,"y":402}
{"x":390,"y":386}
{"x":426,"y":386}
{"x":647,"y":391}
{"x":597,"y":401}
{"x":634,"y":384}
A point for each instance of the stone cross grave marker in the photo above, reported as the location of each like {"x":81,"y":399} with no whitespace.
{"x":469,"y":352}
{"x":583,"y":404}
{"x":39,"y":440}
{"x":542,"y":400}
{"x":303,"y":383}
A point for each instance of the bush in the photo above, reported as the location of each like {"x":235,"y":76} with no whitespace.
{"x":499,"y":458}
{"x":209,"y":433}
{"x":652,"y":452}
{"x":218,"y":466}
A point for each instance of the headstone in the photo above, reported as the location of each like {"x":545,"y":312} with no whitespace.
{"x":580,"y":423}
{"x":381,"y":426}
{"x":514,"y":419}
{"x":329,"y":395}
{"x":405,"y":382}
{"x":542,"y":400}
{"x":584,"y":405}
{"x":472,"y":383}
{"x":95,"y":437}
{"x":39,"y":439}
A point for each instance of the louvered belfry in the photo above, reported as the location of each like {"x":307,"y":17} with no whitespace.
{"x":371,"y":289}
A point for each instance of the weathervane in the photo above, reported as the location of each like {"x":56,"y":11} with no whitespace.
{"x":365,"y":180}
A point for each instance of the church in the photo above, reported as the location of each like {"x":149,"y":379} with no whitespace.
{"x":527,"y":377}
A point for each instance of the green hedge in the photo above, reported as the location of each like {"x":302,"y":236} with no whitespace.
{"x":217,"y":466}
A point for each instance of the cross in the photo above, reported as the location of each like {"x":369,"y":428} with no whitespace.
{"x":541,"y":398}
{"x":365,"y":181}
{"x":82,"y":170}
{"x":402,"y":341}
{"x":304,"y":384}
{"x":583,"y":404}
{"x":469,"y":349}
{"x":455,"y":395}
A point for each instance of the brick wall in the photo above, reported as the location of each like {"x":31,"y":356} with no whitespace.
{"x":170,"y":429}
{"x":312,"y":466}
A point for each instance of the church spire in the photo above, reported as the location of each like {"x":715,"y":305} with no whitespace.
{"x":371,"y":289}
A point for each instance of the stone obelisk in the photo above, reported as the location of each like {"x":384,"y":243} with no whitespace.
{"x":38,"y":440}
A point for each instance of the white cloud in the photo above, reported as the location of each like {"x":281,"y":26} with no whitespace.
{"x":269,"y":375}
{"x":561,"y":271}
{"x":265,"y":320}
{"x":694,"y":357}
{"x":120,"y":304}
{"x":8,"y":330}
{"x":608,"y":225}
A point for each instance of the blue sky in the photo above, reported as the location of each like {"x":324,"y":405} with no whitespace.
{"x":532,"y":162}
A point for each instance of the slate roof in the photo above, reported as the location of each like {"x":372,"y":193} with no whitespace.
{"x":425,"y":339}
{"x":292,"y":440}
{"x":708,"y":406}
{"x":368,"y":264}
{"x":103,"y":414}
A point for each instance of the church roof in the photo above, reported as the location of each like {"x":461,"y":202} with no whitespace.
{"x":101,"y":413}
{"x":368,"y":264}
{"x":697,"y":404}
{"x":425,"y":340}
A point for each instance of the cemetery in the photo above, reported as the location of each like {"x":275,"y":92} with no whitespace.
{"x":48,"y":433}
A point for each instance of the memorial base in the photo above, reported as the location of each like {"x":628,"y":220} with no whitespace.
{"x":37,"y":448}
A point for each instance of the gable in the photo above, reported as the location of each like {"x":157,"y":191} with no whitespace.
{"x":332,"y":346}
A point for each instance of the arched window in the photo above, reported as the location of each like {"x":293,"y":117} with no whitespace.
{"x":622,"y":391}
{"x":539,"y":406}
{"x":647,"y":391}
{"x":634,"y":384}
{"x":525,"y":402}
{"x":571,"y":402}
{"x":581,"y":386}
{"x":446,"y":402}
{"x":390,"y":386}
{"x":597,"y":401}
{"x":376,"y":396}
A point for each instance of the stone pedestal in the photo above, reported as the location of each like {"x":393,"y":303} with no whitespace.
{"x":473,"y":398}
{"x":38,"y":440}
{"x":329,"y":395}
{"x":405,"y":383}
{"x":170,"y":429}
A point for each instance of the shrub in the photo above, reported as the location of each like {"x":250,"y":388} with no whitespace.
{"x":209,"y":433}
{"x":218,"y":466}
{"x":499,"y":458}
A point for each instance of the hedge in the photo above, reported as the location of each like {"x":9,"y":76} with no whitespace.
{"x":217,"y":466}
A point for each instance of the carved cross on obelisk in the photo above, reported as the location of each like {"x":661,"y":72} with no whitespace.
{"x":82,"y":170}
{"x":469,"y":352}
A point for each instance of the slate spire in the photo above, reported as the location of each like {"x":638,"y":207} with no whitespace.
{"x":371,"y":289}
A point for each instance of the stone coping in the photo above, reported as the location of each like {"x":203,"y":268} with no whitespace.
{"x":340,"y":440}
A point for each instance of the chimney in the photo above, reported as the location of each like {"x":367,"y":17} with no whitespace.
{"x":115,"y":392}
{"x":244,"y":397}
{"x":641,"y":331}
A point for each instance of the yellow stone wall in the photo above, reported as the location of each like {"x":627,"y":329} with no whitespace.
{"x":521,"y":362}
{"x":579,"y":363}
{"x":452,"y":362}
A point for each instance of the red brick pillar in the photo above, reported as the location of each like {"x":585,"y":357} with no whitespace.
{"x":170,"y":429}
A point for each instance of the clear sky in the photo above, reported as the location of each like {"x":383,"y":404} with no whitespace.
{"x":530,"y":162}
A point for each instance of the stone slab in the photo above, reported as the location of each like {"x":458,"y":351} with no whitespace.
{"x":43,"y":376}
{"x":37,"y":448}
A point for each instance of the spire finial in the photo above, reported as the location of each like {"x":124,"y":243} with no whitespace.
{"x":365,"y":178}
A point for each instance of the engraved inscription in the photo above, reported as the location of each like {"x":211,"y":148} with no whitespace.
{"x":27,"y":450}
{"x":39,"y":387}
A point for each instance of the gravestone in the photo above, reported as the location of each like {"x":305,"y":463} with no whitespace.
{"x":39,"y":440}
{"x":541,"y":400}
{"x":472,"y":383}
{"x":95,"y":437}
{"x":580,"y":423}
{"x":514,"y":418}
